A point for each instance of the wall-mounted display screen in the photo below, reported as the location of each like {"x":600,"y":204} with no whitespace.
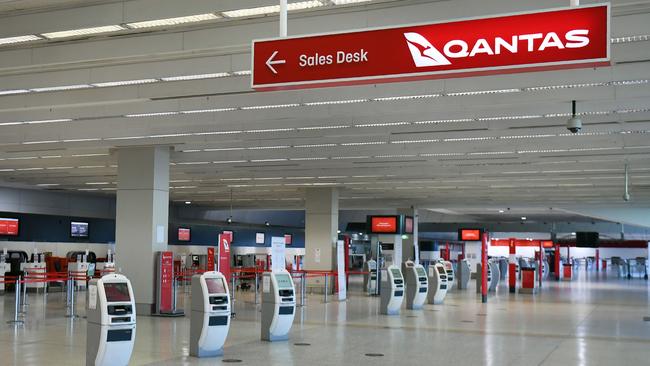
{"x":408,"y":225}
{"x":117,"y":291}
{"x":78,"y":229}
{"x":9,"y":227}
{"x":284,"y":281}
{"x":384,"y":224}
{"x":397,"y":274}
{"x":260,"y":238}
{"x":288,"y":238}
{"x":470,"y":234}
{"x":215,"y":286}
{"x":184,"y":234}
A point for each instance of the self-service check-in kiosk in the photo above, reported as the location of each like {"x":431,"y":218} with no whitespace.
{"x":495,"y":275}
{"x":111,"y":321}
{"x":278,"y":305}
{"x":210,"y":319}
{"x":463,"y":274}
{"x":437,"y":283}
{"x":392,"y":291}
{"x":417,"y":285}
{"x":449,"y":267}
{"x":370,"y":279}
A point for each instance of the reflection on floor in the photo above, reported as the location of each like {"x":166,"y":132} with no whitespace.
{"x":592,"y":321}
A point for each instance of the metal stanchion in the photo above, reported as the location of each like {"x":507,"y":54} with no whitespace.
{"x":325,"y":292}
{"x":16,"y":320}
{"x":302,"y":289}
{"x":232,"y":297}
{"x":72,"y":315}
{"x":23,"y":299}
{"x":257,"y":281}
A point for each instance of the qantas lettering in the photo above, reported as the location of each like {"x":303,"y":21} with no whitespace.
{"x":425,"y":54}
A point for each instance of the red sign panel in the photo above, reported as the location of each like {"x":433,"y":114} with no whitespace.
{"x":9,"y":227}
{"x":470,"y":234}
{"x":166,"y":281}
{"x":183,"y":234}
{"x":383,"y":224}
{"x":544,"y":40}
{"x":408,"y":225}
{"x":224,"y":255}
{"x":210,"y":263}
{"x":288,"y":238}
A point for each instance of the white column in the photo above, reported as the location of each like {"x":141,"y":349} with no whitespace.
{"x":321,"y":225}
{"x":142,"y":214}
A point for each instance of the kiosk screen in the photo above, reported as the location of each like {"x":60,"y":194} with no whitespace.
{"x":396,"y":273}
{"x":117,"y":292}
{"x":421,"y":272}
{"x":215,"y":286}
{"x":284,"y":281}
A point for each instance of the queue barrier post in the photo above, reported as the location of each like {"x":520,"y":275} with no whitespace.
{"x":256,"y":284}
{"x":232,"y":297}
{"x":325,"y":292}
{"x":16,"y":320}
{"x":302,"y":289}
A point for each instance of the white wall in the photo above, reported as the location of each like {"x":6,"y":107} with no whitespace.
{"x":56,"y":203}
{"x":57,"y":249}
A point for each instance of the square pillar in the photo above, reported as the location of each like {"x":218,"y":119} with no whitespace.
{"x":142,"y":215}
{"x":410,"y":246}
{"x":321,"y":225}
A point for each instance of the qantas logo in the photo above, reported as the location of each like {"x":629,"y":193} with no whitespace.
{"x":425,"y":54}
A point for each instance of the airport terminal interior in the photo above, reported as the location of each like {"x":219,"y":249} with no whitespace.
{"x":324,"y":182}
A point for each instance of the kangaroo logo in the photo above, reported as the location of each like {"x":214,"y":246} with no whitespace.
{"x":423,"y":52}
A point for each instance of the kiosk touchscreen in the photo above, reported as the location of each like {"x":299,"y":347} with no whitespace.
{"x":392,"y":291}
{"x":111,"y":321}
{"x":278,"y":305}
{"x":210,"y":318}
{"x":417,"y":285}
{"x":450,"y":274}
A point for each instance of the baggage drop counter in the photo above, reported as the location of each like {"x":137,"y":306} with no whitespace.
{"x":210,"y":318}
{"x":278,"y":305}
{"x":111,"y":321}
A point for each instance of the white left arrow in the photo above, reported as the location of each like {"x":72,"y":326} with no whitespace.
{"x":270,"y":62}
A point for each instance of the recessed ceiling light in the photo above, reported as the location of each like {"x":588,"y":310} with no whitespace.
{"x":188,"y":202}
{"x":523,"y":217}
{"x":83,"y":32}
{"x":272,"y":9}
{"x":173,"y":21}
{"x":501,"y":211}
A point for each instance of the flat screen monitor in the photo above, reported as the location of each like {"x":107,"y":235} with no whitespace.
{"x":284,"y":281}
{"x":397,"y":274}
{"x":260,"y":238}
{"x":384,"y":224}
{"x":78,"y":229}
{"x":408,"y":225}
{"x":117,"y":292}
{"x":288,"y":238}
{"x":420,"y":271}
{"x":215,"y":286}
{"x":470,"y":234}
{"x":9,"y":226}
{"x":184,"y":234}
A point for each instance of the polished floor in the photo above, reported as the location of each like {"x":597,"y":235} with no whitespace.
{"x":595,"y":320}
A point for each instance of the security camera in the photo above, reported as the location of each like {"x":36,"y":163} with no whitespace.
{"x":574,"y":124}
{"x":626,"y":197}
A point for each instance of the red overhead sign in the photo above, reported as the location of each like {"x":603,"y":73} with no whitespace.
{"x":383,"y":224}
{"x":9,"y":227}
{"x":470,"y":234}
{"x":533,"y":41}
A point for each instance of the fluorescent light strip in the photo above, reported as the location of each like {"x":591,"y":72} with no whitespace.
{"x":196,"y":77}
{"x":386,"y":124}
{"x":14,"y":91}
{"x":322,"y":127}
{"x":315,"y":145}
{"x":83,"y":32}
{"x":268,"y":160}
{"x":124,"y":83}
{"x":630,"y":39}
{"x":272,"y":9}
{"x":19,"y":39}
{"x":60,"y":88}
{"x":272,"y":106}
{"x":173,"y":21}
{"x":333,"y":102}
{"x":363,"y":143}
{"x":483,"y":92}
{"x":153,"y":114}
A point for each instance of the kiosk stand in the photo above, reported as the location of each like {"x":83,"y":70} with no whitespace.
{"x":210,"y":318}
{"x":463,"y":274}
{"x":417,"y":285}
{"x":392,"y":291}
{"x":450,"y":274}
{"x":495,"y":275}
{"x":278,"y":305}
{"x":111,"y":321}
{"x":370,"y":279}
{"x":437,"y":283}
{"x":479,"y":282}
{"x":528,"y":281}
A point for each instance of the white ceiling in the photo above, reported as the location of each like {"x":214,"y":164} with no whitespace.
{"x":448,"y":151}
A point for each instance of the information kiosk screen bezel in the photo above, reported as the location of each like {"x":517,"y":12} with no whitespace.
{"x":215,"y":286}
{"x":421,"y":272}
{"x":117,"y":292}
